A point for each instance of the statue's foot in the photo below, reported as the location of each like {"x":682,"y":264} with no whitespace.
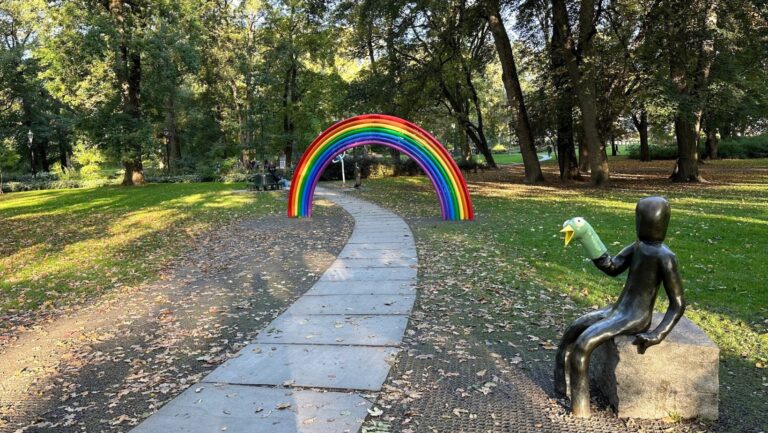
{"x":580,"y":411}
{"x":561,"y":389}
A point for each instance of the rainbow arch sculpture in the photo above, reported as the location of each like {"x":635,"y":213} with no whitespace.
{"x":389,"y":131}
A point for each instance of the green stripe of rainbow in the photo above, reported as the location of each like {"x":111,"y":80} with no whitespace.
{"x":390,"y":131}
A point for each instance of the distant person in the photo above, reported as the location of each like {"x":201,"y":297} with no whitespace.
{"x":275,"y":177}
{"x":272,"y":172}
{"x":549,"y":151}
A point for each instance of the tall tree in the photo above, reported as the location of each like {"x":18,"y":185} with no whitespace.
{"x":514,"y":92}
{"x":564,"y":102}
{"x":580,"y":63}
{"x":689,"y":47}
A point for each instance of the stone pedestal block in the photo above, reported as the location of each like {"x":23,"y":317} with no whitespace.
{"x":678,"y":377}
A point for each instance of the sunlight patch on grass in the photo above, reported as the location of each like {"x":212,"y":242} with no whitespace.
{"x":67,"y":246}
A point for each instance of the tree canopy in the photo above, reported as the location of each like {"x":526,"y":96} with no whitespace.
{"x":187,"y":84}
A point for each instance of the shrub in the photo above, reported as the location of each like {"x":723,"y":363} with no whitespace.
{"x":184,"y":178}
{"x":235,"y":177}
{"x":53,"y":184}
{"x":499,"y":148}
{"x":91,"y":172}
{"x":89,"y":159}
{"x":207,"y":171}
{"x":733,"y":148}
{"x":370,"y":166}
{"x":185,"y":165}
{"x":469,"y":164}
{"x":407,"y":167}
{"x":744,"y":147}
{"x":656,"y":151}
{"x":65,"y":173}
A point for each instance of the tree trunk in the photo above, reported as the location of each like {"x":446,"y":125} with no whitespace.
{"x":711,"y":144}
{"x":134,"y":172}
{"x":565,"y":148}
{"x":65,"y":149}
{"x":482,"y":142}
{"x":289,"y":98}
{"x":478,"y":137}
{"x":174,"y":147}
{"x":582,"y":77}
{"x":129,"y":76}
{"x":687,"y":165}
{"x":459,"y":107}
{"x":641,"y":124}
{"x":583,"y":154}
{"x":466,"y":150}
{"x":514,"y":93}
{"x":690,"y":84}
{"x":614,"y":147}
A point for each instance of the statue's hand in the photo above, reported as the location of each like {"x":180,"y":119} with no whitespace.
{"x":645,"y":340}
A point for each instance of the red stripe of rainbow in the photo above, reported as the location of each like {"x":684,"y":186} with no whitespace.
{"x":390,"y":131}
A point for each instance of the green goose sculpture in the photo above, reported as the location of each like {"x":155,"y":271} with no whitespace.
{"x":579,"y":229}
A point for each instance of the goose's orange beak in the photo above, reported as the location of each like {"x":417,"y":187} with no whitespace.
{"x":568,"y":234}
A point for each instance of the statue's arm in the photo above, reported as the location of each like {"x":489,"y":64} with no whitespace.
{"x":673,"y":285}
{"x":617,"y":264}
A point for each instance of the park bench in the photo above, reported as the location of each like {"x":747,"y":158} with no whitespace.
{"x":263,"y":182}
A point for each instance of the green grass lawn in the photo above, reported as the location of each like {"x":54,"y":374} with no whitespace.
{"x":503,"y":158}
{"x":719,"y":233}
{"x":64,"y":246}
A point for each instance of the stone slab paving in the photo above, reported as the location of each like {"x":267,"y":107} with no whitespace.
{"x":302,"y":372}
{"x":325,"y":288}
{"x":316,"y":366}
{"x":369,"y":274}
{"x":375,"y":262}
{"x":235,"y":408}
{"x":344,"y":304}
{"x":371,"y":330}
{"x":380,"y":254}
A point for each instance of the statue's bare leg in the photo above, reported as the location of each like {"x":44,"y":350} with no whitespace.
{"x":578,"y":360}
{"x":569,"y":337}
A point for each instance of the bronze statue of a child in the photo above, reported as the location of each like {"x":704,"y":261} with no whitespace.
{"x":650,"y":263}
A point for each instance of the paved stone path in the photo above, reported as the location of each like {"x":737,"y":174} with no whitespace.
{"x":305,"y":371}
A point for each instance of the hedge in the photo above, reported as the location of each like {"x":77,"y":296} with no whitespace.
{"x":744,"y":147}
{"x":732,"y":148}
{"x":54,"y":184}
{"x":657,"y":152}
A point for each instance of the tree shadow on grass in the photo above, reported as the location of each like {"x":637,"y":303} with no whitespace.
{"x":114,"y":237}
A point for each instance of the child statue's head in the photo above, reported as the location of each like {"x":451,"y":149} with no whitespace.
{"x":652,"y":218}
